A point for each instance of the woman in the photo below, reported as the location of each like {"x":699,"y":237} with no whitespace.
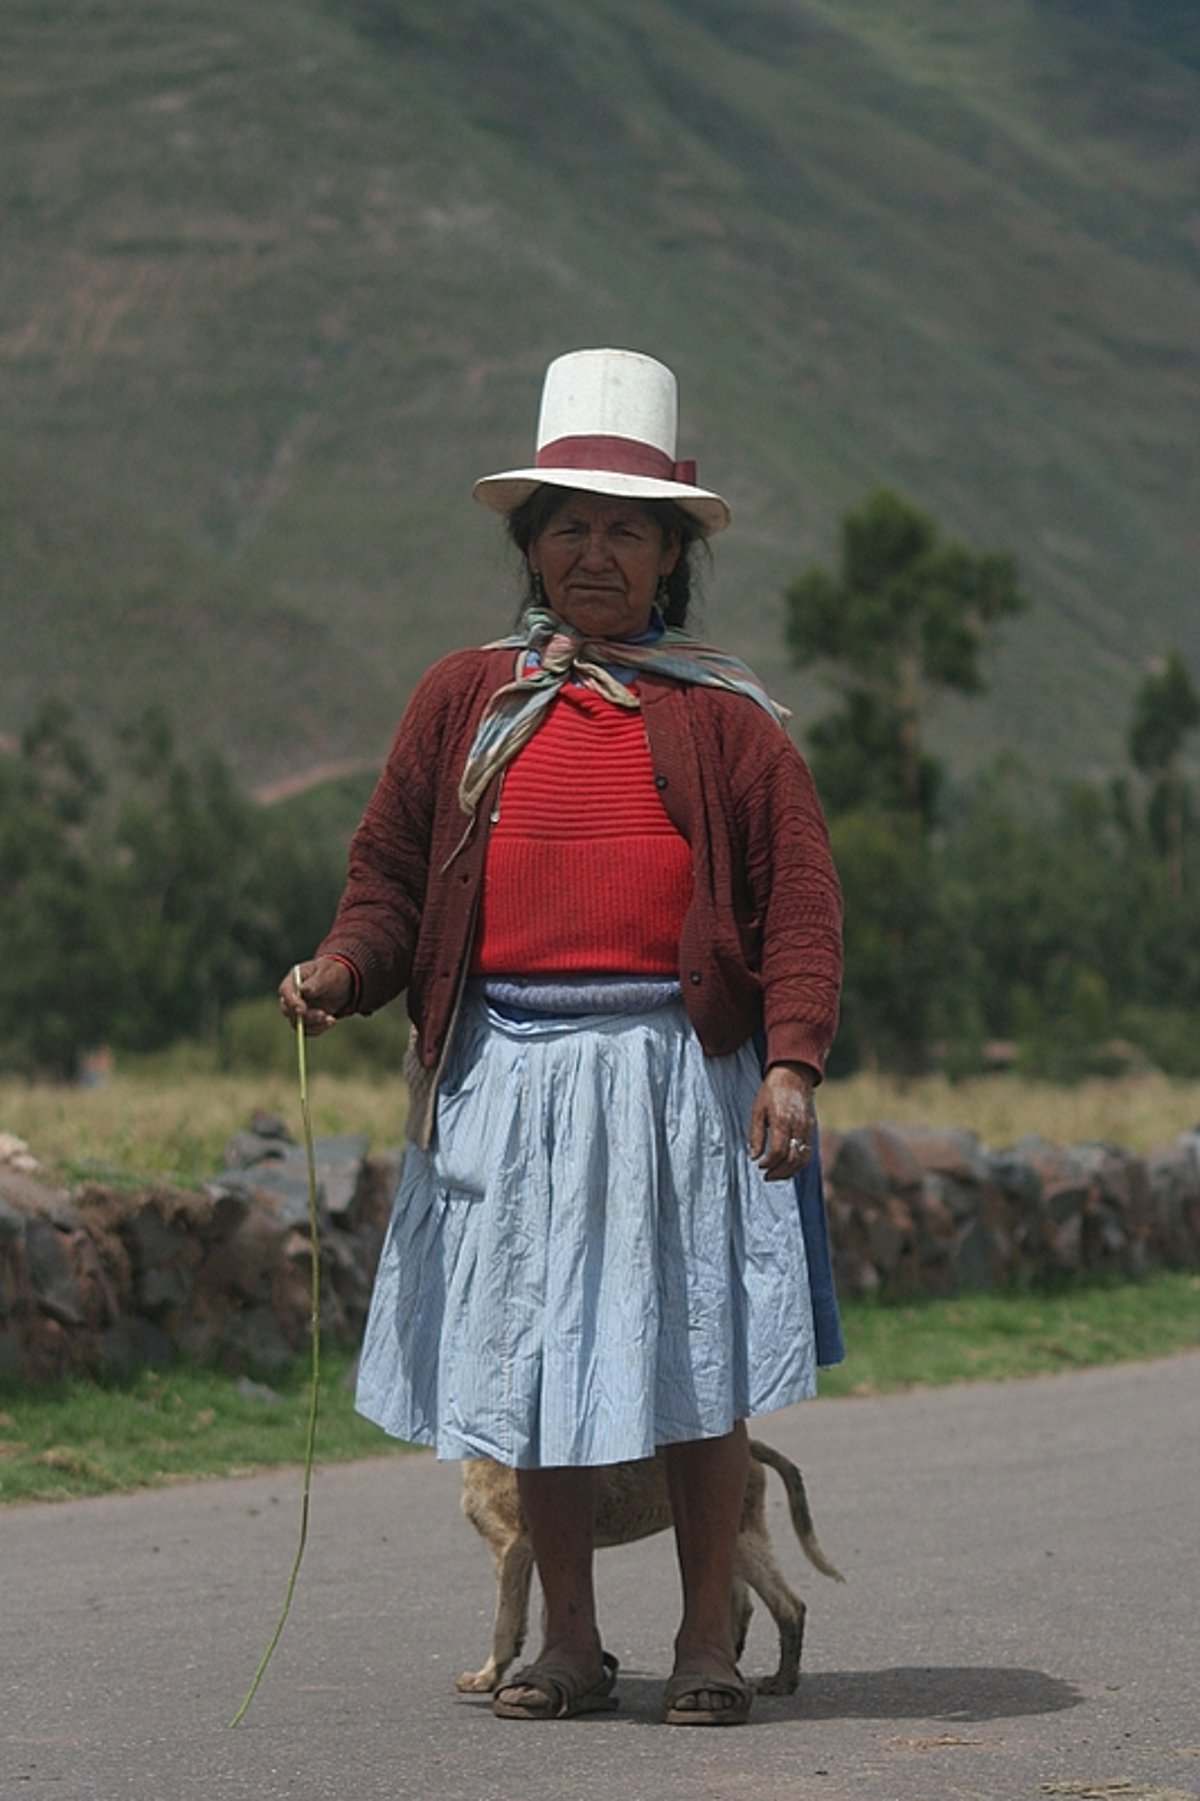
{"x":598,"y":866}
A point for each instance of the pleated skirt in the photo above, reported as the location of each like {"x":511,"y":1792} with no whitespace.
{"x":587,"y":1263}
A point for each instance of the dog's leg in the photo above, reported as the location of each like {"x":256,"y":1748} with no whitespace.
{"x":514,"y":1574}
{"x":756,"y":1566}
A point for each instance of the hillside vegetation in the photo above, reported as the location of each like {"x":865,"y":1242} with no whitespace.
{"x":279,"y":281}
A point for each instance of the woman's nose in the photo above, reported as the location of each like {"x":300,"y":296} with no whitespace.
{"x":596,"y":548}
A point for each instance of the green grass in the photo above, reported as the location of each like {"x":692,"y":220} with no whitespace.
{"x":998,"y":1337}
{"x":160,"y":1427}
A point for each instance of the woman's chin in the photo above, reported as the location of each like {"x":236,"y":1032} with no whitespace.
{"x":596,"y":613}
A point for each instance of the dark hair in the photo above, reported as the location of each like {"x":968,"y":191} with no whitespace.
{"x":529,"y":519}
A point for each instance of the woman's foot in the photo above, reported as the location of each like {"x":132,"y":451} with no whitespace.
{"x":706,"y":1693}
{"x":554,"y":1688}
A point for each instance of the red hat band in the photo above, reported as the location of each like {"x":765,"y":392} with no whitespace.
{"x":617,"y":456}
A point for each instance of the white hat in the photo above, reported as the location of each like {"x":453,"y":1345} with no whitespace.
{"x":607,"y":426}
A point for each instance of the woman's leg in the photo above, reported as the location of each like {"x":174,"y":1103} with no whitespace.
{"x":707,"y":1481}
{"x":559,"y":1508}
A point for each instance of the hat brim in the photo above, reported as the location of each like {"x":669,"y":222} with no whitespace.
{"x":501,"y":493}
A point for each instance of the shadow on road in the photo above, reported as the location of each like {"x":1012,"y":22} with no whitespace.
{"x":968,"y":1693}
{"x":961,"y":1695}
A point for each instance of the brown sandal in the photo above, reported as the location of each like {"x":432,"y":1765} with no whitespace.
{"x":695,"y":1682}
{"x":560,"y":1691}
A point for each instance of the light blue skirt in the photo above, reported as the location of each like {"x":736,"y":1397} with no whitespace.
{"x":587,"y":1263}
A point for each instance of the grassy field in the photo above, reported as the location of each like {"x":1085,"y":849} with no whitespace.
{"x":174,"y":1127}
{"x":1140,"y":1113}
{"x":183,"y":1424}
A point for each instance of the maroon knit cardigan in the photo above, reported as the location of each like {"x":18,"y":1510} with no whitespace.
{"x":761,"y":943}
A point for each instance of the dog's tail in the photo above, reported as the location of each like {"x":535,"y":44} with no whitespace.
{"x":802,"y":1519}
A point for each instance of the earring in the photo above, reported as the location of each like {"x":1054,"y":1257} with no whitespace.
{"x":539,"y":592}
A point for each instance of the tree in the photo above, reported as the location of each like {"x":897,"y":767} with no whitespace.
{"x":1165,"y":709}
{"x":902,"y":985}
{"x":908,"y":614}
{"x":134,"y":914}
{"x":1054,"y":900}
{"x":208,"y":890}
{"x":59,"y":764}
{"x":55,"y":984}
{"x":858,"y":758}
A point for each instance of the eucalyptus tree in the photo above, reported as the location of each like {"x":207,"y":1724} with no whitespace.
{"x":1166,"y":709}
{"x":908,"y":613}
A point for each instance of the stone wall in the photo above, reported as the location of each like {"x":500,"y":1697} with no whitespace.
{"x":935,"y":1213}
{"x":101,"y":1279}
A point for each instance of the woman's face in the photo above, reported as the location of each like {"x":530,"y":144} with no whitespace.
{"x":601,"y":561}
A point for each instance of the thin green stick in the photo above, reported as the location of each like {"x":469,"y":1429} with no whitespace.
{"x":315,"y":1373}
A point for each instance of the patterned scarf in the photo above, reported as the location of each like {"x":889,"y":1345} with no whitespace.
{"x":515,"y":711}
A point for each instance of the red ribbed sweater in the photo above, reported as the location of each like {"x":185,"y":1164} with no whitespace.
{"x":584,"y":870}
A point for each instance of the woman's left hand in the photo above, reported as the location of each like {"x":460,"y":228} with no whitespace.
{"x":782,"y":1121}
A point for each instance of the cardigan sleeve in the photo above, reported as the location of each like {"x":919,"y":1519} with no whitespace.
{"x":790,"y":874}
{"x":379,"y":915}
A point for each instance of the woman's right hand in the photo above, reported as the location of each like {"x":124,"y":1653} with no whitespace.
{"x":323,"y":993}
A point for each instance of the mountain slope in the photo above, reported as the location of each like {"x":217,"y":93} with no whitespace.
{"x":279,"y":282}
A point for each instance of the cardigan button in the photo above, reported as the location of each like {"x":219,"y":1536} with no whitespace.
{"x":660,"y":781}
{"x":696,"y":978}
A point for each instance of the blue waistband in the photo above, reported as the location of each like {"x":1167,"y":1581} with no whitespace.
{"x":572,"y":997}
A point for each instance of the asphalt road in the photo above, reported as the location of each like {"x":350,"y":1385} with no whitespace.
{"x":1021,"y":1619}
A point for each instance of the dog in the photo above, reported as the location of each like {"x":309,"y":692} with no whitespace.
{"x":632,"y":1502}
